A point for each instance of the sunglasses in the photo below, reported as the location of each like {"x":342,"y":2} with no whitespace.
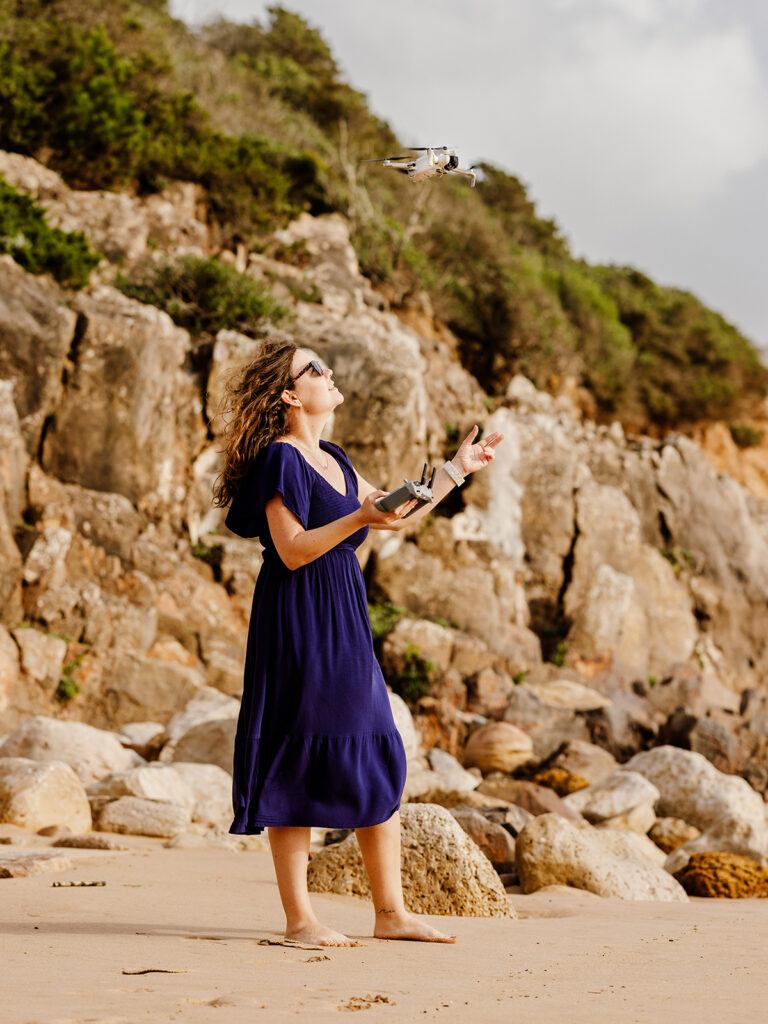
{"x":313,"y":365}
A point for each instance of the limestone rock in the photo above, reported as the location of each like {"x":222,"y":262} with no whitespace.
{"x":729,"y":834}
{"x":448,"y":768}
{"x":9,"y":667}
{"x":586,"y":759}
{"x":143,"y":737}
{"x":669,"y":833}
{"x":725,"y":875}
{"x":36,"y":331}
{"x":561,"y":781}
{"x":133,"y":815}
{"x":210,"y":742}
{"x":534,"y":799}
{"x":624,"y":599}
{"x":41,"y":656}
{"x":404,"y":723}
{"x":692,"y":789}
{"x":494,"y":840}
{"x":207,"y":705}
{"x":91,"y":753}
{"x":22,"y":863}
{"x":35,"y":795}
{"x":567,"y":694}
{"x":91,"y":841}
{"x":623,"y":798}
{"x":443,"y":871}
{"x":498,"y":746}
{"x":142,"y":687}
{"x":149,"y":782}
{"x":133,"y":447}
{"x":550,"y":851}
{"x":211,"y":787}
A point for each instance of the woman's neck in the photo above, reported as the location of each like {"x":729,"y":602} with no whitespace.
{"x":306,"y":434}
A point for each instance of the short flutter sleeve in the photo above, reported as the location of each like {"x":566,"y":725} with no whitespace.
{"x":278,"y":469}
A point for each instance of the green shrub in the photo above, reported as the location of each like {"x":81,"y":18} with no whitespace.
{"x":26,"y":236}
{"x":746,"y":436}
{"x":204,"y":295}
{"x":414,"y":681}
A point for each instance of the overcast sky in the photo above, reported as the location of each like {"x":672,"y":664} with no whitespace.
{"x":641,"y":126}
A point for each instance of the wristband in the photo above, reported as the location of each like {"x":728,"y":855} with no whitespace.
{"x":453,"y":473}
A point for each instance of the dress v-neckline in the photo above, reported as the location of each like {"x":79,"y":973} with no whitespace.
{"x":346,"y":479}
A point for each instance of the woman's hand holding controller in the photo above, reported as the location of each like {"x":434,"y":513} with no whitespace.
{"x":371,"y":516}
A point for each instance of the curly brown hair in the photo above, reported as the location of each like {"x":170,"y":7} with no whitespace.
{"x":254,"y":412}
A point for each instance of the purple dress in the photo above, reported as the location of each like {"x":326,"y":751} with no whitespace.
{"x":316,"y":743}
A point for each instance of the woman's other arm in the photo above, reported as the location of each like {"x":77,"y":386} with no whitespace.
{"x":297,"y":546}
{"x":468,"y":459}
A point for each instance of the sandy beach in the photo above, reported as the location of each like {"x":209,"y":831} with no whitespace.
{"x":200,"y":923}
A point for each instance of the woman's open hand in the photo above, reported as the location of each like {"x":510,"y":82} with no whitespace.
{"x":471,"y":457}
{"x":383,"y":520}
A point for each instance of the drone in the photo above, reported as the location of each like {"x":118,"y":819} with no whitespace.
{"x":436,"y":161}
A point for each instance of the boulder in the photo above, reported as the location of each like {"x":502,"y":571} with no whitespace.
{"x":624,"y":799}
{"x":498,"y":746}
{"x":145,"y":738}
{"x":724,"y":875}
{"x":41,"y":656}
{"x":494,"y":840}
{"x":548,"y":727}
{"x":561,"y":781}
{"x":206,"y":705}
{"x":35,"y":795}
{"x":624,"y":599}
{"x":22,"y":863}
{"x":36,"y":332}
{"x":532,"y":798}
{"x":443,"y":871}
{"x":669,"y":833}
{"x":140,"y":686}
{"x":729,"y":834}
{"x":148,"y":782}
{"x":404,"y":723}
{"x":692,"y":789}
{"x":211,"y":742}
{"x":136,"y":816}
{"x":211,"y":787}
{"x":134,"y":446}
{"x":585,"y":759}
{"x":568,"y":695}
{"x":551,"y":851}
{"x":451,"y":772}
{"x":91,"y":753}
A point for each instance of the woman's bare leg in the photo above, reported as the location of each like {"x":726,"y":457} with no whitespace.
{"x":380,"y":846}
{"x":290,"y":853}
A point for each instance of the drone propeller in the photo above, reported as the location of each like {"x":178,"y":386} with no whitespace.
{"x":381,"y":159}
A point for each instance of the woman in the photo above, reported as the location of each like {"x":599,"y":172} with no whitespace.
{"x":316,"y":742}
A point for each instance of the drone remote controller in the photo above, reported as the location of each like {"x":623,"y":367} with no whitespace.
{"x":419,"y":489}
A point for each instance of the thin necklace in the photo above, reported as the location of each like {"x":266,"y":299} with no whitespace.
{"x":324,"y":465}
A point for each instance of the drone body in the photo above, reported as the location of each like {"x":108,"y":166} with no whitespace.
{"x":433,"y":163}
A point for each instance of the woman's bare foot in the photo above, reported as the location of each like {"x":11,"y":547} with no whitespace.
{"x":390,"y":925}
{"x":316,"y":934}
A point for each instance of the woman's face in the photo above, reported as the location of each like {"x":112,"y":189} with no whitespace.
{"x":317,"y":393}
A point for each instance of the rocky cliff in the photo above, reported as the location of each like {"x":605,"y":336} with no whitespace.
{"x":626,"y":566}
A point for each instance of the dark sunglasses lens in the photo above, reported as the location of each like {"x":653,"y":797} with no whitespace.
{"x":316,"y":367}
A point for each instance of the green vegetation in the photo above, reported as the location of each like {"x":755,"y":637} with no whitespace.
{"x":383,"y":618}
{"x":26,"y":236}
{"x":204,"y":295}
{"x":678,"y":558}
{"x":212,"y":554}
{"x":68,"y":686}
{"x":745,"y":436}
{"x":558,"y":656}
{"x":122,"y":95}
{"x":416,"y":677}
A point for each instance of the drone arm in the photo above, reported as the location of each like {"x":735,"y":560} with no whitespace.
{"x":464,"y":173}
